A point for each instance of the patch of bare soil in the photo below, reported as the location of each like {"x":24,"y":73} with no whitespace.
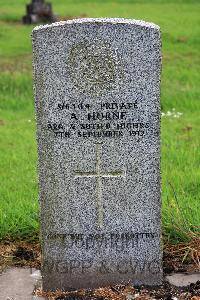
{"x":11,"y":22}
{"x":127,"y":292}
{"x":177,"y":258}
{"x":19,"y":254}
{"x":65,"y":18}
{"x":21,"y":64}
{"x":182,"y":257}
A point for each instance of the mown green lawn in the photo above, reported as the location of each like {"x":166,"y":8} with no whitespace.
{"x":180,"y":25}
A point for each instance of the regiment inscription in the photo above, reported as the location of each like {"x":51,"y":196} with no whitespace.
{"x":110,"y":120}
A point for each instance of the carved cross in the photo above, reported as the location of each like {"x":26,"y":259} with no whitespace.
{"x":99,"y":175}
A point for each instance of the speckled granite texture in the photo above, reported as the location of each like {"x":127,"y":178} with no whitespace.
{"x":97,"y":92}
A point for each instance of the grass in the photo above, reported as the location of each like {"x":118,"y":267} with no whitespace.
{"x":179,"y":21}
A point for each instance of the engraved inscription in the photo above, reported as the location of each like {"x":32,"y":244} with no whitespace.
{"x":114,"y":240}
{"x":107,"y":120}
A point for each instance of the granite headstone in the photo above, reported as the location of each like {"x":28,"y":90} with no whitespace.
{"x":97,"y":94}
{"x":38,"y":12}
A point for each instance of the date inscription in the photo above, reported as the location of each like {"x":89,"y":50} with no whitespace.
{"x":107,"y":120}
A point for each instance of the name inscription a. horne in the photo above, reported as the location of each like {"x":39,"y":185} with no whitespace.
{"x":107,"y":120}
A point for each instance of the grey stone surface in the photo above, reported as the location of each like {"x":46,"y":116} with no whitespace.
{"x":18,"y":284}
{"x":180,"y":279}
{"x":97,"y":90}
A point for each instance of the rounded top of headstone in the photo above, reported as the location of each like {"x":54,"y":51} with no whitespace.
{"x":113,"y":21}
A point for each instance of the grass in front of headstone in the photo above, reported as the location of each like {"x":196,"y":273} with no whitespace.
{"x":19,"y":205}
{"x":180,"y":175}
{"x":180,"y":137}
